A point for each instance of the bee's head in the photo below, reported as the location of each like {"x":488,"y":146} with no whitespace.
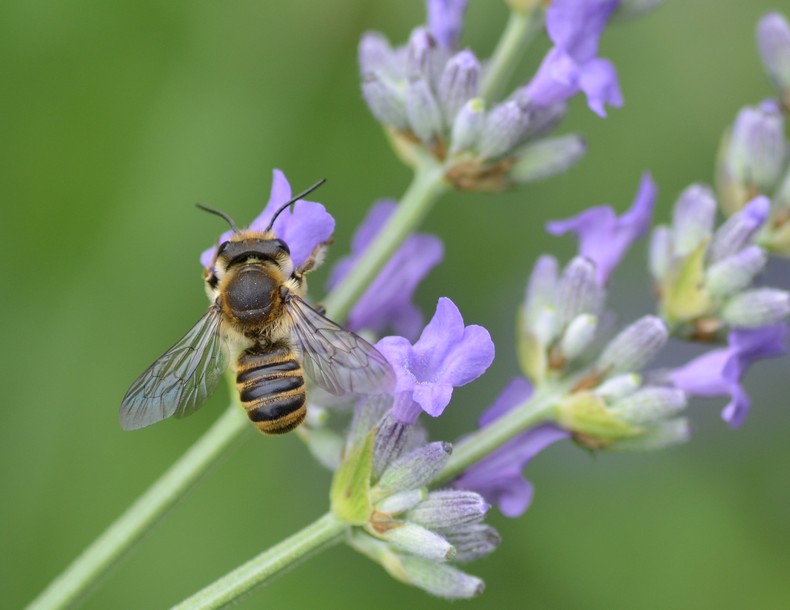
{"x":253,"y":247}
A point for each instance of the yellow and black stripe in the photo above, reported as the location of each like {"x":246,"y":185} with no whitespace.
{"x":270,"y":382}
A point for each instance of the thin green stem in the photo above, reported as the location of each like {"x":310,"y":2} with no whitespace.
{"x":94,"y":561}
{"x":520,"y":29}
{"x":539,"y":408}
{"x":426,"y":188}
{"x":320,"y":534}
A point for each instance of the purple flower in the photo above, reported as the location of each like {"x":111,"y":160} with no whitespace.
{"x":575,"y":27}
{"x":447,"y":355}
{"x":445,"y":21}
{"x":603,"y":237}
{"x":387,"y":303}
{"x":719,"y":372}
{"x":306,"y":225}
{"x":498,"y":477}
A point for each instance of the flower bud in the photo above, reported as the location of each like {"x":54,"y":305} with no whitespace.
{"x":385,"y":101}
{"x":634,"y":346}
{"x":545,"y":158}
{"x":755,"y":153}
{"x":663,"y":434}
{"x":414,"y":539}
{"x":693,"y":217}
{"x":423,"y":111}
{"x":735,"y":273}
{"x":578,"y":335}
{"x":578,"y":291}
{"x":375,"y":54}
{"x":458,"y":83}
{"x":440,"y":579}
{"x":471,"y":540}
{"x":449,"y":508}
{"x":503,"y":129}
{"x":416,"y":469}
{"x":758,"y":307}
{"x":618,"y":387}
{"x":736,"y":233}
{"x":401,"y":502}
{"x":650,"y":405}
{"x":660,"y":254}
{"x":420,"y":56}
{"x":541,"y":288}
{"x":773,"y":40}
{"x":467,"y":126}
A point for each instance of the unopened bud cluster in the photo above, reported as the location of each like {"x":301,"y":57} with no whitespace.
{"x":754,"y":154}
{"x":560,"y":318}
{"x":704,"y":277}
{"x":428,"y":96}
{"x":563,"y":336}
{"x":381,"y":488}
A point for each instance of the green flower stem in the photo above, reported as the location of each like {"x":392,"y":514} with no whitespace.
{"x":320,"y":534}
{"x":520,"y":29}
{"x":426,"y":188}
{"x":538,"y":409}
{"x":94,"y":561}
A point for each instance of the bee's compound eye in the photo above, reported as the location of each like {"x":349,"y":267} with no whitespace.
{"x":283,"y":246}
{"x":222,"y":247}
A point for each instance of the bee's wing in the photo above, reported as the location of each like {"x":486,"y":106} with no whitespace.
{"x":335,"y":358}
{"x":181,"y":380}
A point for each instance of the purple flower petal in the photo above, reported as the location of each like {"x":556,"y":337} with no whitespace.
{"x":303,"y":228}
{"x":446,"y":355}
{"x":498,"y":477}
{"x":556,"y":80}
{"x":387,"y":302}
{"x":576,"y":25}
{"x":446,"y":20}
{"x":720,"y":371}
{"x":603,"y":237}
{"x":599,"y":82}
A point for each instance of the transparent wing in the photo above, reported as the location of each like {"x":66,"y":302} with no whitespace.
{"x":335,"y":358}
{"x":181,"y":380}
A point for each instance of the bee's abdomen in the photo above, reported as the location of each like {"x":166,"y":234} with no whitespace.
{"x":271,"y":387}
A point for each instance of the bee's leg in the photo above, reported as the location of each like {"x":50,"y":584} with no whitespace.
{"x":316,"y":258}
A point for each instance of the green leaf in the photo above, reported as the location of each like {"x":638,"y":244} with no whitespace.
{"x":350,"y":493}
{"x":530,"y":352}
{"x":685,"y":297}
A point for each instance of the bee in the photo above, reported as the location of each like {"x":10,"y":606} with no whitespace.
{"x":259,"y":320}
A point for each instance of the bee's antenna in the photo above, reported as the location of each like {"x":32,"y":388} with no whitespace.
{"x":221,"y":214}
{"x":294,"y":200}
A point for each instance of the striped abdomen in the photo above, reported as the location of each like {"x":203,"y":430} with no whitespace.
{"x":271,"y":386}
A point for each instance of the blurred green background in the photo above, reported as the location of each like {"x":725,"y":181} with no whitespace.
{"x":117,"y":117}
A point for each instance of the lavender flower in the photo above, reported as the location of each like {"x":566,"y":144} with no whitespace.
{"x":304,"y":228}
{"x":704,"y":277}
{"x":575,"y":28}
{"x":447,"y":355}
{"x":604,"y":237}
{"x":445,"y":21}
{"x":498,"y":477}
{"x":719,"y":372}
{"x":387,"y":303}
